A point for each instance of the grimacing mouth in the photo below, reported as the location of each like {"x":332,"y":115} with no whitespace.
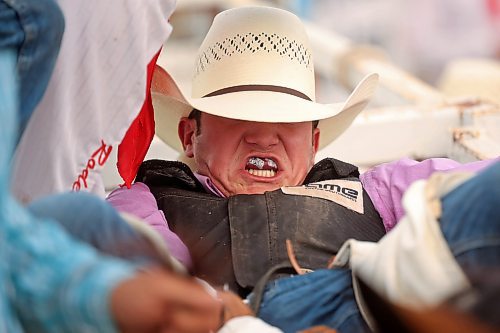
{"x":261,"y":167}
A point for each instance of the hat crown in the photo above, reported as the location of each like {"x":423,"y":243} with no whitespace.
{"x":254,"y":46}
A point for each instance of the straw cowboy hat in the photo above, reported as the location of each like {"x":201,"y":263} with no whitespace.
{"x":255,"y":64}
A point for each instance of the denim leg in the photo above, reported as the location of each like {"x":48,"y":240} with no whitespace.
{"x":470,"y":221}
{"x":11,"y":31}
{"x":35,"y":27}
{"x":8,"y":115}
{"x":324,"y":297}
{"x":92,"y":220}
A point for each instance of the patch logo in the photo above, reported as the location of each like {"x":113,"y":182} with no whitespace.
{"x":347,"y":193}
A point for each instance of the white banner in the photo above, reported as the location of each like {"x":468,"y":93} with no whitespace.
{"x":96,"y":91}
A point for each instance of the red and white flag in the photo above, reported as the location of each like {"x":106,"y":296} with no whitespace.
{"x":97,"y":89}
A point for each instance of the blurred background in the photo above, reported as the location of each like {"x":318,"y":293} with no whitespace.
{"x":438,"y":60}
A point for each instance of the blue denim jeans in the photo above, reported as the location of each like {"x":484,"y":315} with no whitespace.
{"x":34,"y":28}
{"x":323,"y":297}
{"x":8,"y":117}
{"x":470,"y":223}
{"x":25,"y":67}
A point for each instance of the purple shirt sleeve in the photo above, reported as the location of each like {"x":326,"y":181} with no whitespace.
{"x":139,"y":201}
{"x":386,"y":183}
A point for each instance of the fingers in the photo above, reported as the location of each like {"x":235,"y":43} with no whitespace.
{"x":184,"y":291}
{"x":159,"y":301}
{"x":190,"y":308}
{"x":233,"y":305}
{"x":184,"y":320}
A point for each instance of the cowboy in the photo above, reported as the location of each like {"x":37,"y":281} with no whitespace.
{"x":250,"y":133}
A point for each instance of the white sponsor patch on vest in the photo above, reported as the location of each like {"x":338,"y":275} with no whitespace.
{"x":346,"y":193}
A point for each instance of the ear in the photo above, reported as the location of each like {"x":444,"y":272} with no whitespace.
{"x":187,"y":132}
{"x":315,"y":140}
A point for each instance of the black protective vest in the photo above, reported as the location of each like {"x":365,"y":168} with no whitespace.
{"x":236,"y":240}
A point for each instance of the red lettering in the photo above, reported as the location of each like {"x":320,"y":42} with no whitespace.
{"x":91,"y":164}
{"x":102,"y":154}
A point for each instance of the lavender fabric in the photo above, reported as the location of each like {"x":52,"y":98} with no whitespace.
{"x":139,"y":201}
{"x":386,"y":183}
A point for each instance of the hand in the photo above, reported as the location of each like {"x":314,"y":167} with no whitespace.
{"x":159,"y":301}
{"x":233,"y":306}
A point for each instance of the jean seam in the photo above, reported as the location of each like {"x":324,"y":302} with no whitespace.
{"x":353,"y":312}
{"x":463,"y":247}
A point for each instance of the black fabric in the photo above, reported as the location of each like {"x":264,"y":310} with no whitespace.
{"x":317,"y":228}
{"x":202,"y":222}
{"x":168,"y":173}
{"x":237,"y":240}
{"x":330,"y":168}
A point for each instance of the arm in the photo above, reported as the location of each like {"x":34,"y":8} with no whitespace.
{"x":139,"y":201}
{"x":386,"y":183}
{"x":54,"y":283}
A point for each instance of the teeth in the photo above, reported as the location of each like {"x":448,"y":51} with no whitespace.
{"x":261,"y":163}
{"x":262,"y":173}
{"x":257,"y":162}
{"x":271,"y":163}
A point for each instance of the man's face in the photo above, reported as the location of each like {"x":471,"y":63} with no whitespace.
{"x":243,"y":157}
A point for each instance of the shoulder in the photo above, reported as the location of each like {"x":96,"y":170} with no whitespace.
{"x":130,"y":200}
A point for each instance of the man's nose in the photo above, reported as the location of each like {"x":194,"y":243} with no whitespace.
{"x":262,"y":135}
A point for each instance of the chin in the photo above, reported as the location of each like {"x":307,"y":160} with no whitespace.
{"x":260,"y":189}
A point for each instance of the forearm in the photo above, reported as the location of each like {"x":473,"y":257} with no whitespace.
{"x":58,"y":285}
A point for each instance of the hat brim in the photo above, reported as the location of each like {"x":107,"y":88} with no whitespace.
{"x":261,"y":106}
